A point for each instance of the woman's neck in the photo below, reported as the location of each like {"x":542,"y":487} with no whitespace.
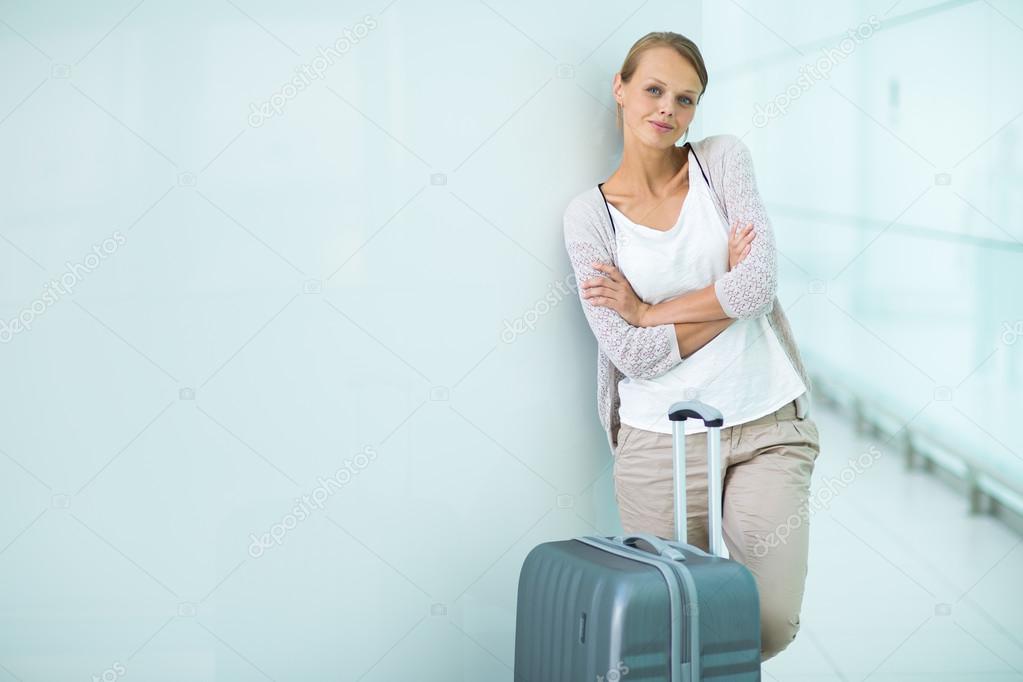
{"x":648,"y":172}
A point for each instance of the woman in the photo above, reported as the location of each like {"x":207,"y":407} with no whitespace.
{"x":683,"y":307}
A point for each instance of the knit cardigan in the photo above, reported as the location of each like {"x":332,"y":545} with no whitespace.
{"x":746,"y":291}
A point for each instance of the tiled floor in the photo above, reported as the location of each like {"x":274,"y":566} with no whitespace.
{"x":903,"y":583}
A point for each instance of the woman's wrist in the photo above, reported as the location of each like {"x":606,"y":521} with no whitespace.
{"x":644,"y":315}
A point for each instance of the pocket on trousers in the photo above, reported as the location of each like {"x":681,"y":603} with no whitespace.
{"x":624,"y":432}
{"x":807,"y":428}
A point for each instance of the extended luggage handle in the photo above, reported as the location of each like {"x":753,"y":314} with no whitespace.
{"x":713,"y":420}
{"x":694,"y":409}
{"x":660,"y":547}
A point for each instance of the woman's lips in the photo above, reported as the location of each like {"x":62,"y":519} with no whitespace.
{"x":660,"y":128}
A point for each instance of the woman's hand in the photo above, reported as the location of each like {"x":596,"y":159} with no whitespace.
{"x":615,"y":292}
{"x":739,"y":242}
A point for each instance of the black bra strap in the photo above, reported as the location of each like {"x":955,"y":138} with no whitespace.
{"x":704,"y":174}
{"x":698,"y":163}
{"x":607,"y":207}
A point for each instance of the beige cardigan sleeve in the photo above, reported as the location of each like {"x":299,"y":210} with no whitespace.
{"x":638,"y":352}
{"x":748,"y":290}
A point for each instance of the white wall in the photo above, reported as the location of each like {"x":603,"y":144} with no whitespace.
{"x":282,"y":294}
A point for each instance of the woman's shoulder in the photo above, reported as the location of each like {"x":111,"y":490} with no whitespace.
{"x":588,"y":197}
{"x":717,"y":148}
{"x":584,"y":204}
{"x":585,"y":216}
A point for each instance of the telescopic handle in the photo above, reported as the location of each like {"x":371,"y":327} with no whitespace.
{"x":713,"y":420}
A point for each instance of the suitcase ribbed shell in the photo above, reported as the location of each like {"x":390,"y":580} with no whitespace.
{"x":589,"y":609}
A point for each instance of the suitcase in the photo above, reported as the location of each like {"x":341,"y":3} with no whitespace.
{"x":640,"y":607}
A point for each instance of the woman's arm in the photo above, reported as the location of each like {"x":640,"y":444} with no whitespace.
{"x":697,"y":306}
{"x":638,"y":352}
{"x":748,"y":290}
{"x":692,"y":336}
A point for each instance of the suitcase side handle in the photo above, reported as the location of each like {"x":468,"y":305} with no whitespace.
{"x":659,"y":546}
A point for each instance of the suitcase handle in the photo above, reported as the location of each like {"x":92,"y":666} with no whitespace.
{"x":713,"y":420}
{"x":694,"y":409}
{"x":660,"y":547}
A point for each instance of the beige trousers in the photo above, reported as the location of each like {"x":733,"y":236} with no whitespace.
{"x":766,"y":468}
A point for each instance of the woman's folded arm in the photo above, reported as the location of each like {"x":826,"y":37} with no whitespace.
{"x":692,"y":336}
{"x":748,"y":290}
{"x":639,"y":352}
{"x":697,"y":306}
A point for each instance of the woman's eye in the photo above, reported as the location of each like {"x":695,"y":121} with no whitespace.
{"x":682,"y":100}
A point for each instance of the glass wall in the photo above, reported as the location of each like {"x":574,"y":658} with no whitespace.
{"x":887,"y":143}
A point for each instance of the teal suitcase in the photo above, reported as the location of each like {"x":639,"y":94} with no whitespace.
{"x":641,"y":607}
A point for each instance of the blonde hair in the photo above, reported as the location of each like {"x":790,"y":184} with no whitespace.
{"x":684,"y":46}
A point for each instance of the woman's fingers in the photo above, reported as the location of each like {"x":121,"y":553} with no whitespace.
{"x":598,"y":282}
{"x":597,"y":290}
{"x":608,"y":269}
{"x":740,"y":234}
{"x":740,"y":242}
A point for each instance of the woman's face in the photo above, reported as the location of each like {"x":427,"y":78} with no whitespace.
{"x":664,"y":90}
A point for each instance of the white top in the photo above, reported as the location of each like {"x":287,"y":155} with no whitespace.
{"x":744,"y":371}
